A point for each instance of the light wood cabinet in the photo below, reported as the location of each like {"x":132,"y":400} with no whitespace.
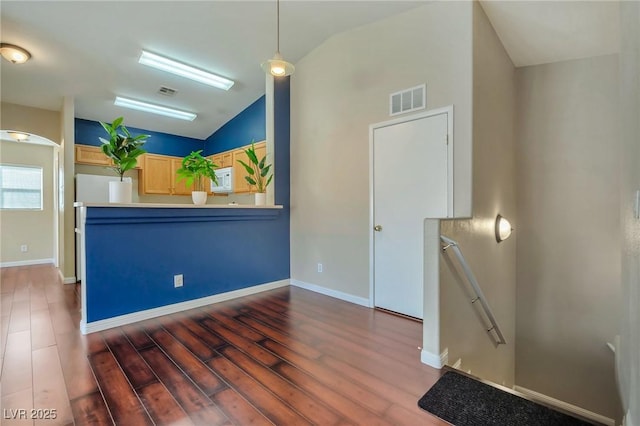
{"x":159,"y":176}
{"x":223,"y":159}
{"x":92,"y":155}
{"x":158,"y":172}
{"x":240,"y":184}
{"x":179,"y":188}
{"x":156,"y":176}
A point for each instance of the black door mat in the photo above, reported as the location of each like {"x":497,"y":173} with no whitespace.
{"x":463,"y":401}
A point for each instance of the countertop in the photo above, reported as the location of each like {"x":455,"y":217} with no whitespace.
{"x":176,"y":206}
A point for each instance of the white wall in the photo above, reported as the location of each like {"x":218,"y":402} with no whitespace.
{"x":31,"y":227}
{"x":629,"y":367}
{"x":568,"y":245}
{"x":463,"y":332}
{"x":331,"y":110}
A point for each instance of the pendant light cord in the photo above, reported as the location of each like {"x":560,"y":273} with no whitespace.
{"x":278,"y":26}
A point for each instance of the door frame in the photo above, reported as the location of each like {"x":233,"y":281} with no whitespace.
{"x":372,"y":127}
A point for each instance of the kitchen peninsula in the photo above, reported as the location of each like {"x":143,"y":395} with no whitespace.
{"x":144,"y":260}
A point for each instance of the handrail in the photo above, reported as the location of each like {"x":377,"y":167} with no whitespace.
{"x":449,"y":243}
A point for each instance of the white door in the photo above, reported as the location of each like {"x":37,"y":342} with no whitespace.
{"x":411,"y":182}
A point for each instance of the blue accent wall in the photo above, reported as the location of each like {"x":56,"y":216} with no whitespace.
{"x":88,"y":132}
{"x":132,"y":255}
{"x":249,"y":125}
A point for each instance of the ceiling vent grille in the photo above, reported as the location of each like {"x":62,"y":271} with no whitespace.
{"x":167,"y":91}
{"x":407,"y":100}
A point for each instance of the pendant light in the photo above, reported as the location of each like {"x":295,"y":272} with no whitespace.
{"x":277,"y":66}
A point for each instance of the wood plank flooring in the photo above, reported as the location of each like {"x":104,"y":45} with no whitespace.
{"x":283,"y":357}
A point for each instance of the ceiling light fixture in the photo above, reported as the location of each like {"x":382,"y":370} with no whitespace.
{"x":503,"y":228}
{"x":184,"y":70}
{"x":19,"y":136}
{"x":277,"y":66}
{"x":155,"y":109}
{"x":14,"y":54}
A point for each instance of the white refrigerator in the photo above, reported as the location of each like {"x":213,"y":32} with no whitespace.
{"x":90,"y":189}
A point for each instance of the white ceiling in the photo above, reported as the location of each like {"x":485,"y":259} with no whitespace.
{"x":539,"y":32}
{"x":89,"y":49}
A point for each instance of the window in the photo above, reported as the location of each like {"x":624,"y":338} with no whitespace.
{"x":20,"y":187}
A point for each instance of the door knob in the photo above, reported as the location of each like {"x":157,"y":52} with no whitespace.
{"x":377,"y":228}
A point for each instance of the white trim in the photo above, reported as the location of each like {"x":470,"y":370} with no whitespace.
{"x":433,"y":360}
{"x":362,"y":301}
{"x":627,"y":421}
{"x":118,"y":321}
{"x":536,"y":396}
{"x":66,"y":280}
{"x":26,"y":263}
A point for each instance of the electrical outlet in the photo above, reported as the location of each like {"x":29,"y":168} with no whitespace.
{"x":319,"y":267}
{"x":24,"y":248}
{"x":178,"y":280}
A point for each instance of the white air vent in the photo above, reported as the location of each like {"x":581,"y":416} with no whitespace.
{"x":412,"y":99}
{"x":167,"y":91}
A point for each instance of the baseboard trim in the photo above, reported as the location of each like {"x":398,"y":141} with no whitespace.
{"x":627,"y":421}
{"x":26,"y":263}
{"x":332,"y":293}
{"x":66,"y":280}
{"x":434,"y":360}
{"x":118,"y":321}
{"x":536,"y":396}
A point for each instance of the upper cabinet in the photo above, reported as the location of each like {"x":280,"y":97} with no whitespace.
{"x":158,"y":172}
{"x":156,"y":176}
{"x":92,"y":155}
{"x":240,"y":184}
{"x":223,"y":159}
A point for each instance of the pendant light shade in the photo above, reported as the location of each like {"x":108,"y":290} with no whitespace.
{"x":277,"y":66}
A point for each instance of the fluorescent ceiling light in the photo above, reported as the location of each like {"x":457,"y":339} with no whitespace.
{"x":183,"y":70}
{"x":155,"y":109}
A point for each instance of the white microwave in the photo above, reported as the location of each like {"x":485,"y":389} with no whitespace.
{"x":225,"y":180}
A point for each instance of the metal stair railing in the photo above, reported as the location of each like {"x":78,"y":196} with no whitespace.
{"x":451,"y":244}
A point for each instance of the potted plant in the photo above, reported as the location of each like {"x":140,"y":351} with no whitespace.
{"x":257,"y":172}
{"x":195,"y":170}
{"x":123,"y":149}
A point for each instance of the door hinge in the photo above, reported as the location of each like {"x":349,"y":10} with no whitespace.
{"x":447,"y":138}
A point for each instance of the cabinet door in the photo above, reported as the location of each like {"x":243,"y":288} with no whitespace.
{"x":179,"y":188}
{"x":226,"y":159}
{"x":223,"y":159}
{"x":240,"y":185}
{"x":157,"y":175}
{"x":93,"y":155}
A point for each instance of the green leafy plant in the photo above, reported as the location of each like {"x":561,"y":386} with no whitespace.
{"x":123,"y":148}
{"x":257,"y":171}
{"x":195,"y":168}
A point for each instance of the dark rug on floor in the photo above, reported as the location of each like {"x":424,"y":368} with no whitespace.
{"x":463,"y":401}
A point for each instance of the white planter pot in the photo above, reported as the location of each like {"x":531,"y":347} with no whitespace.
{"x":261,"y":198}
{"x":120,"y":192}
{"x":199,"y":197}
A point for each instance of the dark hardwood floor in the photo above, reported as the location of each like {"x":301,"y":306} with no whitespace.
{"x":284,"y":357}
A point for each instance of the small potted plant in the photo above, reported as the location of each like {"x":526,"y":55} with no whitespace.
{"x":195,"y":170}
{"x":257,"y":174}
{"x":123,"y":149}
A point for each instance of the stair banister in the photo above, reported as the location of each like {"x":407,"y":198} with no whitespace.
{"x":451,"y":244}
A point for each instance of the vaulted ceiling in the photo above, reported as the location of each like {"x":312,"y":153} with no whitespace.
{"x":89,"y":49}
